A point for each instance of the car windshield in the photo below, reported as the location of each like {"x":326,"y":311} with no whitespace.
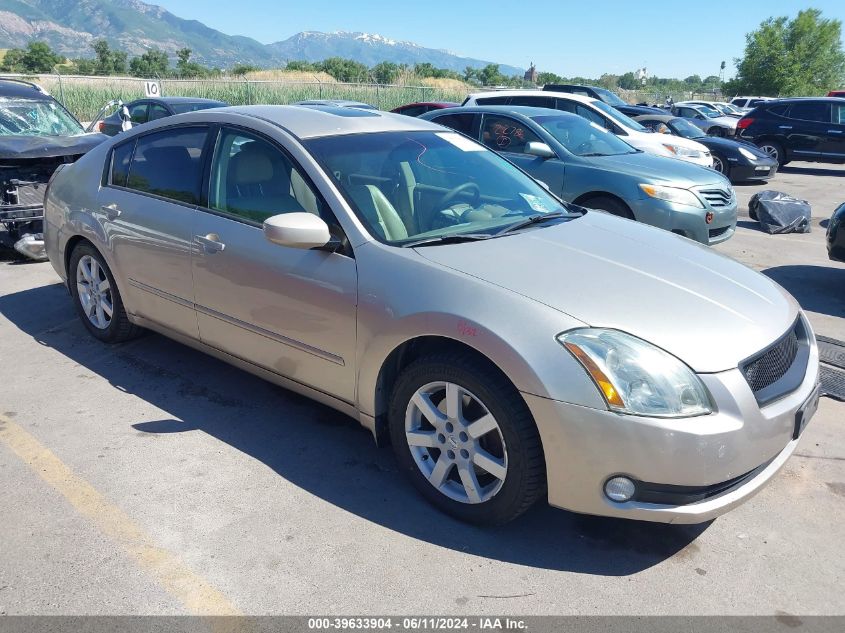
{"x":583,"y":137}
{"x":709,"y":112}
{"x":408,"y":187}
{"x":684,"y":128}
{"x":181,"y":108}
{"x":728,"y":108}
{"x":609,"y":97}
{"x":617,"y":116}
{"x":35,"y":117}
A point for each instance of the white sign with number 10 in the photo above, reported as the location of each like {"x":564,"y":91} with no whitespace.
{"x":151,"y":89}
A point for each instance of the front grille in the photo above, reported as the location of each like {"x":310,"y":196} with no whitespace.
{"x":716,"y":198}
{"x":720,"y":231}
{"x":780,"y":368}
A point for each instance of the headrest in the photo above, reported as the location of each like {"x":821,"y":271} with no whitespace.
{"x":252,"y":167}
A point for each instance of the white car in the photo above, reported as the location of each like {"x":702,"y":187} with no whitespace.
{"x":727,"y":109}
{"x":747,"y":104}
{"x":603,"y":115}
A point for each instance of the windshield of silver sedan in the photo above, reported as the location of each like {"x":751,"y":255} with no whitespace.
{"x":410,"y":188}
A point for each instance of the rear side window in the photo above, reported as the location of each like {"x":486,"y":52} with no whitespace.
{"x":169,"y":164}
{"x":492,"y":101}
{"x":460,"y":122}
{"x":779,"y":110}
{"x":413,"y":110}
{"x":121,"y":155}
{"x":138,"y":113}
{"x":839,"y":114}
{"x":536,"y":102}
{"x":811,"y":111}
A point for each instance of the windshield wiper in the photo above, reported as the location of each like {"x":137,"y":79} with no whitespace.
{"x":537,"y":219}
{"x":448,"y":239}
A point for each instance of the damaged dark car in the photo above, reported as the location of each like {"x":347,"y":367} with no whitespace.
{"x":37,"y":134}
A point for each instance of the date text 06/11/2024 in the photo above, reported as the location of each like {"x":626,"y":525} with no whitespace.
{"x":416,"y":623}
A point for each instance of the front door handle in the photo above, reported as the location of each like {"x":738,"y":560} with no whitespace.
{"x":110,"y":210}
{"x":210,"y":243}
{"x":785,"y":127}
{"x":834,"y":131}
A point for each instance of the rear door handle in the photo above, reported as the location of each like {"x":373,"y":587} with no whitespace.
{"x":834,"y":131}
{"x":210,"y":243}
{"x":785,"y":127}
{"x":110,"y":210}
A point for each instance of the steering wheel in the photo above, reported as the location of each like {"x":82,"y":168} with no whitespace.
{"x":450,"y":196}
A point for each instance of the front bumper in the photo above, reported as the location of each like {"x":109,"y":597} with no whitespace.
{"x":753,"y":171}
{"x":690,"y":222}
{"x":741,"y":441}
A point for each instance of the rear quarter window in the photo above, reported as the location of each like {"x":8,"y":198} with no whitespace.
{"x":120,"y":157}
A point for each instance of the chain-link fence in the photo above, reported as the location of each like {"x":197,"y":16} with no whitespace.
{"x":84,"y":96}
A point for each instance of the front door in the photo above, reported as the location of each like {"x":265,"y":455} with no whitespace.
{"x":288,"y":310}
{"x":806,"y":129}
{"x":146,"y":211}
{"x":834,"y":145}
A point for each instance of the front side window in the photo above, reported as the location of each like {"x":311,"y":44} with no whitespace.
{"x":457,"y":186}
{"x":169,"y":164}
{"x":504,"y":134}
{"x":839,"y":114}
{"x":252,"y":180}
{"x":686,"y":129}
{"x":591,"y":115}
{"x":157,"y":111}
{"x":811,"y":111}
{"x":35,"y":117}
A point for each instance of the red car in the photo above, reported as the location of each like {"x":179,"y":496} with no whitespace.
{"x":836,"y":93}
{"x":416,"y":109}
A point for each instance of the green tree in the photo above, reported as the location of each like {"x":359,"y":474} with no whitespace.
{"x":490,"y":75}
{"x":13,"y":61}
{"x":385,"y":72}
{"x":345,"y":70}
{"x":108,"y":62}
{"x":153,"y":63}
{"x":784,"y":57}
{"x":693,"y":81}
{"x":37,"y":57}
{"x":629,"y":81}
{"x":239,"y":70}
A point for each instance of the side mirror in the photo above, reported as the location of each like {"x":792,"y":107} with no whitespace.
{"x":541,"y":150}
{"x":297,"y":230}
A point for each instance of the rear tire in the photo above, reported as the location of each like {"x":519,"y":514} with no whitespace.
{"x":774,"y":150}
{"x":465,"y":437}
{"x":97,"y":298}
{"x":611,"y":205}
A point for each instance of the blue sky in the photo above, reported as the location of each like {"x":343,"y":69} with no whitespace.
{"x":583,"y":38}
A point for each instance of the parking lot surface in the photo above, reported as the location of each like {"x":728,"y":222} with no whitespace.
{"x":148,"y":478}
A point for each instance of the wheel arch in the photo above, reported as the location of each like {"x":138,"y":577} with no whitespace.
{"x":585,"y":198}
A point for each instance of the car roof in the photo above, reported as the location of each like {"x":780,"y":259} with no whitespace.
{"x":526,"y":111}
{"x":344,"y":103}
{"x":532,"y":93}
{"x":22,"y":89}
{"x":307,"y":121}
{"x":771,"y":102}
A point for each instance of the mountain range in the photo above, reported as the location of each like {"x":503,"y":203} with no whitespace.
{"x":70,"y":26}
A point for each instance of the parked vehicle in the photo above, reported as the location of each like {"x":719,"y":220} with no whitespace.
{"x":811,"y":129}
{"x":337,"y":103}
{"x":836,"y":93}
{"x":836,"y":235}
{"x":513,"y":348}
{"x":639,"y":110}
{"x":746,"y":104}
{"x":591,"y":167}
{"x":37,"y":134}
{"x":727,"y":109}
{"x":416,"y":109}
{"x":739,"y":161}
{"x":711,"y":121}
{"x":594,"y":92}
{"x":601,"y":114}
{"x":149,"y":109}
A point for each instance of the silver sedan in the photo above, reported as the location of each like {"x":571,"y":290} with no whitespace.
{"x":511,"y":348}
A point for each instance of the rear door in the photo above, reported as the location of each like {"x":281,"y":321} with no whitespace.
{"x":146,"y":211}
{"x":806,"y":130}
{"x":510,"y":137}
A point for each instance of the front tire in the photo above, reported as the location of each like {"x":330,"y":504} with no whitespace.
{"x":97,"y":298}
{"x":465,"y":437}
{"x":611,"y":205}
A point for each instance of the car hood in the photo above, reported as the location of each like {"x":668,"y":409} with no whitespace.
{"x":727,"y":145}
{"x":706,"y":309}
{"x":650,"y":168}
{"x":727,"y":121}
{"x":48,"y":146}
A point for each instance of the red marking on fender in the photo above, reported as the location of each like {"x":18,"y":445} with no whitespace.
{"x":466,"y":329}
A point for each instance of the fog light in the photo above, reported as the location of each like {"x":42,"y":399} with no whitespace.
{"x":619,"y":489}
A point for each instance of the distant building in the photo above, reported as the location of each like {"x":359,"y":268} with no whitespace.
{"x":531,"y":74}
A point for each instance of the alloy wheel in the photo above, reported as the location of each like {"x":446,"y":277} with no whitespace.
{"x":771,"y":151}
{"x":718,"y":164}
{"x":94,"y":291}
{"x":456,"y":442}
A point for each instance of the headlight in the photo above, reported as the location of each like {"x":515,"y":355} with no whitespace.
{"x":672,"y":194}
{"x":677,"y":150}
{"x":747,"y":154}
{"x":636,"y":377}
